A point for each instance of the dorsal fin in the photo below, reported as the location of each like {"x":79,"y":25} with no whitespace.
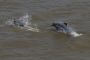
{"x":65,"y":24}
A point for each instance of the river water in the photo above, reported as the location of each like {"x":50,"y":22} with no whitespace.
{"x":16,"y":44}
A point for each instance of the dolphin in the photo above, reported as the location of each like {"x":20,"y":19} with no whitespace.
{"x":63,"y":27}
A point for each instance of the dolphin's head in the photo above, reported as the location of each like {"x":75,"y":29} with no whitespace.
{"x":60,"y":26}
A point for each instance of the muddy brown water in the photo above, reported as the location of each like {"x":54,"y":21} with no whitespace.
{"x":46,"y":44}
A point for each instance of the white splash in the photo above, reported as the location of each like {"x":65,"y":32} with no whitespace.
{"x":32,"y":29}
{"x":23,"y":20}
{"x":73,"y":33}
{"x":9,"y":22}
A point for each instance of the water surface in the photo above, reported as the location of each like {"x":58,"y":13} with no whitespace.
{"x":16,"y":44}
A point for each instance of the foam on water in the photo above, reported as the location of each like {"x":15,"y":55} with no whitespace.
{"x":73,"y":33}
{"x":23,"y":20}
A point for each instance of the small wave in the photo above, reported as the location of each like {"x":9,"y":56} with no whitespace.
{"x":73,"y":33}
{"x":29,"y":28}
{"x":23,"y":22}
